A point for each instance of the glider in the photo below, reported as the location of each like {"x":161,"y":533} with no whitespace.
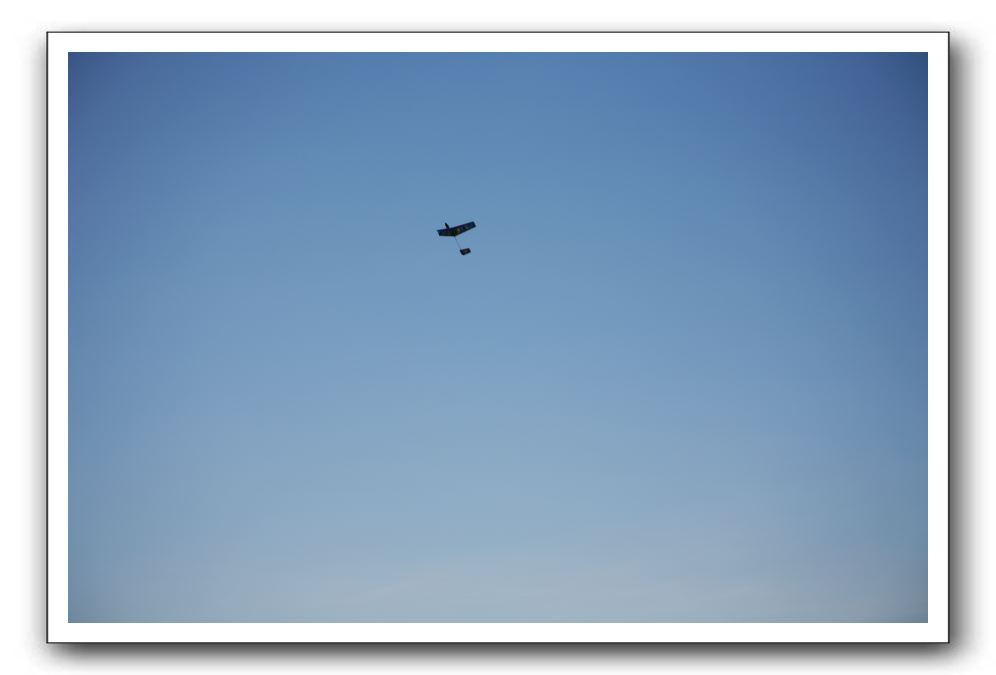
{"x":455,"y":232}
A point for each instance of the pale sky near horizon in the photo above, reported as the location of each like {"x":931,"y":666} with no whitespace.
{"x":681,"y":377}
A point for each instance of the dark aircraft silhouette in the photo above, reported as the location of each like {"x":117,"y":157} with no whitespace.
{"x":455,"y":232}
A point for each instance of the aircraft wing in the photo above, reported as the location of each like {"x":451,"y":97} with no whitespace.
{"x":454,"y":231}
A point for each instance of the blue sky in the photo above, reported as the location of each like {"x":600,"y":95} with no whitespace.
{"x":681,"y":377}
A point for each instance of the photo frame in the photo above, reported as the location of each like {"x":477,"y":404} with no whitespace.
{"x":62,"y":44}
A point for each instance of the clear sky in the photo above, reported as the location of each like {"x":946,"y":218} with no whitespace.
{"x":681,"y":377}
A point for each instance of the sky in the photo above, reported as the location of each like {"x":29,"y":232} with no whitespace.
{"x":682,"y":376}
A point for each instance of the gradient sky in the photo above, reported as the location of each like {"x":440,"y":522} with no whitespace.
{"x":681,"y":377}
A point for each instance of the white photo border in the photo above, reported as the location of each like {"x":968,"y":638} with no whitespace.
{"x":61,"y":44}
